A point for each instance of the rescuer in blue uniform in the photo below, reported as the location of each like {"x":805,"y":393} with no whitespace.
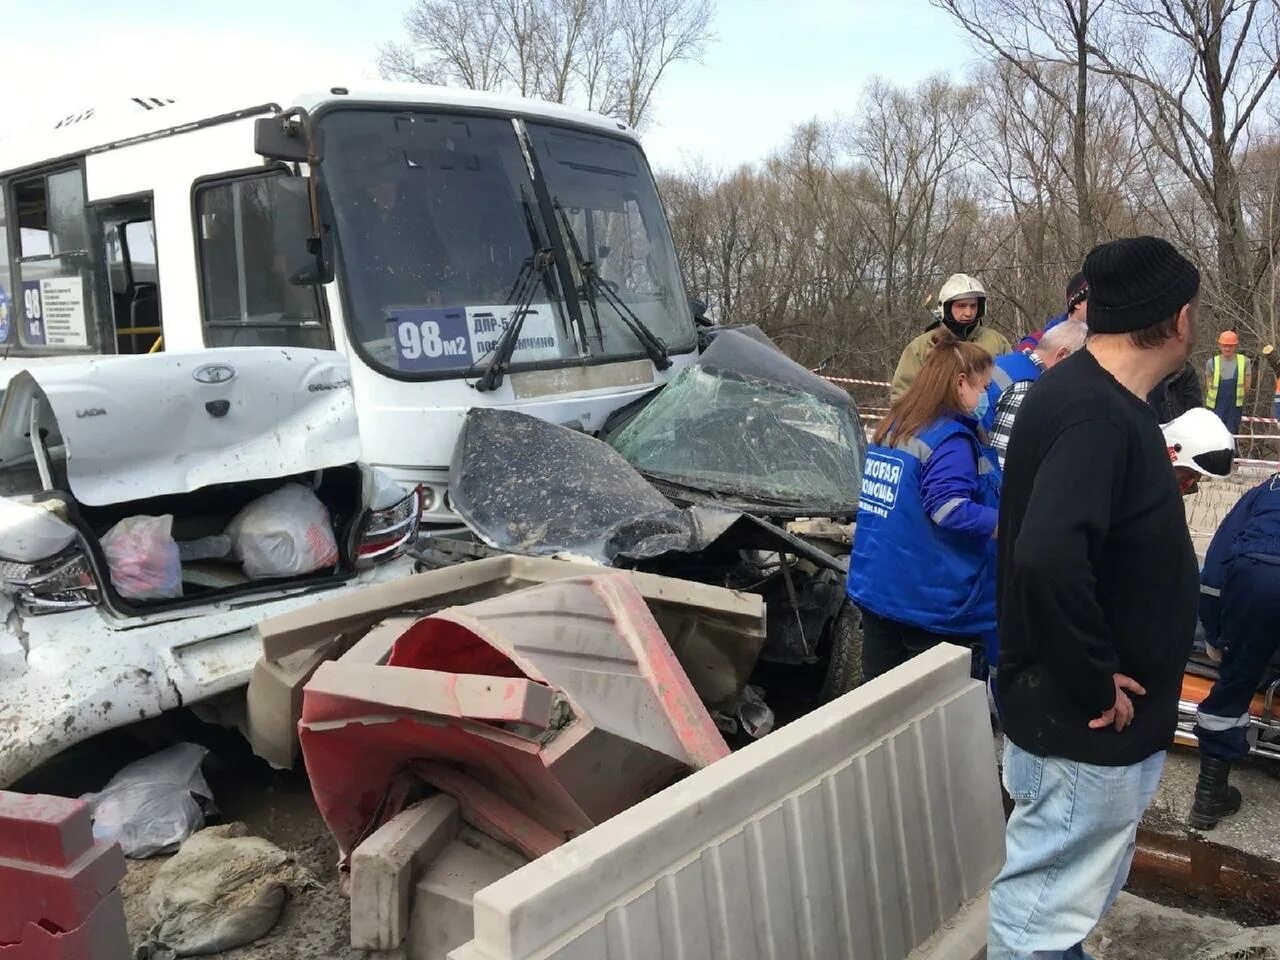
{"x":923,"y":564}
{"x":1240,"y":610}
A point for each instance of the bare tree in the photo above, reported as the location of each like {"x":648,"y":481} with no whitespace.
{"x":653,"y":35}
{"x":605,"y":55}
{"x":450,"y":41}
{"x":1198,"y":71}
{"x":1033,"y":37}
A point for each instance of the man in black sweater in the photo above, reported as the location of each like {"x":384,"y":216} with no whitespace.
{"x":1097,"y":594}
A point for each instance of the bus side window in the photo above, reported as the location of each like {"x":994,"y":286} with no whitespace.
{"x":128,"y":235}
{"x":246,"y":297}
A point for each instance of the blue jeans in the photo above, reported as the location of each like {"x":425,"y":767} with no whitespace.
{"x":1068,"y":847}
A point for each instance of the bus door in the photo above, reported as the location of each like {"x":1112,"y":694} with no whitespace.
{"x":129,"y":244}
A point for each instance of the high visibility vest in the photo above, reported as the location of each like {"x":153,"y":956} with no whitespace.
{"x":1211,"y":400}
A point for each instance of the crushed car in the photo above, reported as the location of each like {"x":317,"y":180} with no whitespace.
{"x":703,"y":480}
{"x":155,"y":509}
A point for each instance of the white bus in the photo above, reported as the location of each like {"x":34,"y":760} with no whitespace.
{"x":462,"y":249}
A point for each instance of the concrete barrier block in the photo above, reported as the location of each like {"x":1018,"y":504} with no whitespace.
{"x":102,"y":936}
{"x":58,"y":889}
{"x":442,"y":913}
{"x":60,"y":897}
{"x":865,"y":828}
{"x":35,"y":828}
{"x":382,"y":870}
{"x":474,"y":696}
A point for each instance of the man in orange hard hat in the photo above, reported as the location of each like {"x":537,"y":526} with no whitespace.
{"x":1227,"y":378}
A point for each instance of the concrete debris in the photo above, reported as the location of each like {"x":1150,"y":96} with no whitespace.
{"x":628,"y":721}
{"x":716,"y":634}
{"x":382,"y":869}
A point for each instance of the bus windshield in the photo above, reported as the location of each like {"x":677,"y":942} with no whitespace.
{"x":441,"y":240}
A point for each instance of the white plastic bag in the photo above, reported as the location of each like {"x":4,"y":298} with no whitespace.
{"x":155,"y":803}
{"x":284,"y":534}
{"x":143,"y":558}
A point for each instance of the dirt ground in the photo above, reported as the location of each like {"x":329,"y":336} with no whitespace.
{"x":276,"y":806}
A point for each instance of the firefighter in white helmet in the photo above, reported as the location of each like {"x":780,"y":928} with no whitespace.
{"x":1200,"y":446}
{"x":963,"y":302}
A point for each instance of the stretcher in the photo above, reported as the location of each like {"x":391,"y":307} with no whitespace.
{"x":1264,"y":709}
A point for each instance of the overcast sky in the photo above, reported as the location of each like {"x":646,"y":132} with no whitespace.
{"x":774,"y":63}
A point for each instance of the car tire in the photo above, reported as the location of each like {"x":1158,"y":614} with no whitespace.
{"x":844,"y":661}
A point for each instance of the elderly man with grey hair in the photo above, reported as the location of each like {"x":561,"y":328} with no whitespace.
{"x":1014,"y":373}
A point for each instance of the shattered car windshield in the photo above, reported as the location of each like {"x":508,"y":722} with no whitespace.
{"x":724,"y":432}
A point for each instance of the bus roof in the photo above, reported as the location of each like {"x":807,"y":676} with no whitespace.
{"x":120,"y":123}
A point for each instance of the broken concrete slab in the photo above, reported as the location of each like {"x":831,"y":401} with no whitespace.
{"x":373,"y":646}
{"x":488,"y":812}
{"x":592,"y":641}
{"x":785,"y":848}
{"x":273,"y":701}
{"x":716,"y":634}
{"x":382,"y":869}
{"x":637,"y":723}
{"x":477,"y":697}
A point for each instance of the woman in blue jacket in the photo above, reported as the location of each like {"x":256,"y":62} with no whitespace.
{"x":923,"y":565}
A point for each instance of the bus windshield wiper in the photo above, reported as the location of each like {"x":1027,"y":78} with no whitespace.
{"x":539,"y":264}
{"x":594,"y":285}
{"x":500,"y":360}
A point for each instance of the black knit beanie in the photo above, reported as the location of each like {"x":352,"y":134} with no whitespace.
{"x":1136,"y":283}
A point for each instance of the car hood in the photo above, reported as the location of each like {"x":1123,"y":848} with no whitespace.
{"x":129,"y":428}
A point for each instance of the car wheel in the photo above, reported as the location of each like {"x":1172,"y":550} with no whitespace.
{"x":844,"y":662}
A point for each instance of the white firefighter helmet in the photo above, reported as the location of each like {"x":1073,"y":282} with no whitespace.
{"x":961,"y":286}
{"x":1199,"y":441}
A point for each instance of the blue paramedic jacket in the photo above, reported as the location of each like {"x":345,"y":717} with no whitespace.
{"x":923,"y":552}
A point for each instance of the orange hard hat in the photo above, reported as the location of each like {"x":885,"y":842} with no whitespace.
{"x":1228,"y":338}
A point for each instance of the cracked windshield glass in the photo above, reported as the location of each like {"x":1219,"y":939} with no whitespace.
{"x":721,"y":433}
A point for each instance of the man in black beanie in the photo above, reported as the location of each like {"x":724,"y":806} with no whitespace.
{"x":1097,"y":592}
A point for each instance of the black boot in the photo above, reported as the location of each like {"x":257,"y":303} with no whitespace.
{"x":1215,"y":798}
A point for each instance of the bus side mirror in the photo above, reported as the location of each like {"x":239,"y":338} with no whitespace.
{"x":290,"y":137}
{"x":299,"y":244}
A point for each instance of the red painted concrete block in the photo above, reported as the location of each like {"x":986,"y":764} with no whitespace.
{"x":101,"y":937}
{"x":59,"y":895}
{"x":41,"y":829}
